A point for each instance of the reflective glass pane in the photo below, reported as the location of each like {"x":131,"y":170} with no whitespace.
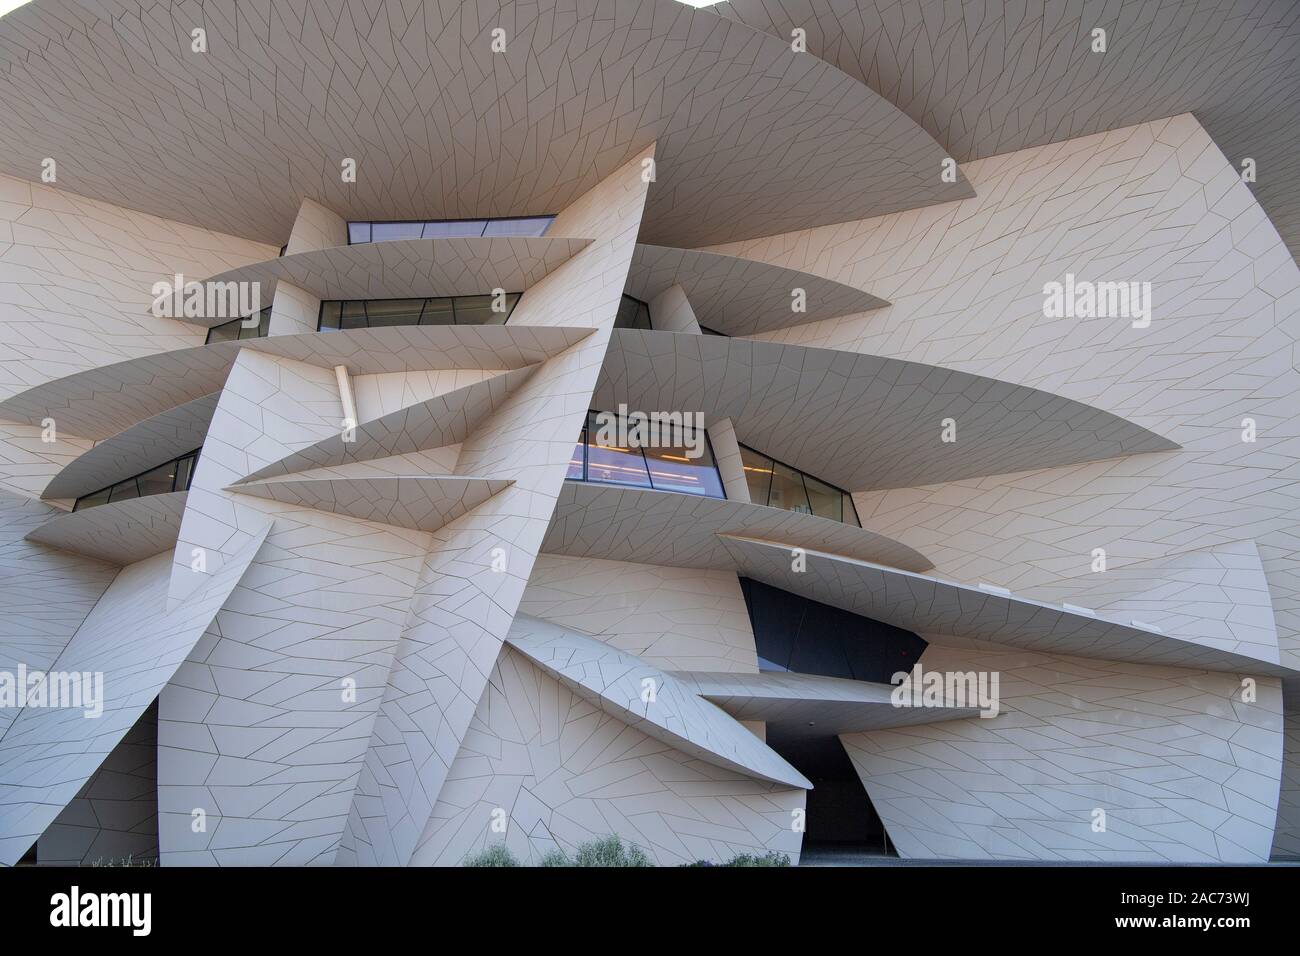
{"x":787,"y":490}
{"x":387,"y":312}
{"x":225,"y":332}
{"x":475,"y":310}
{"x":383,"y":231}
{"x":329,"y":316}
{"x":89,"y":501}
{"x":437,"y":312}
{"x":254,"y":326}
{"x":508,"y":301}
{"x":352,"y":315}
{"x":851,"y":511}
{"x":517,"y":227}
{"x":358,"y":232}
{"x":124,"y":490}
{"x":575,"y":460}
{"x":454,"y":228}
{"x":827,"y":502}
{"x":158,"y":481}
{"x":758,"y":474}
{"x":613,"y":463}
{"x":674,"y":469}
{"x":632,"y":314}
{"x":184,"y":472}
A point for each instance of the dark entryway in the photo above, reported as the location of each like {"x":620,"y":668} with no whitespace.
{"x":840,"y":815}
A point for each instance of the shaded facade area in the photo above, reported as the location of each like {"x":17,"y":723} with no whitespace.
{"x":794,"y":633}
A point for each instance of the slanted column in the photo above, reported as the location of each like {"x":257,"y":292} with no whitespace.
{"x":722,"y":436}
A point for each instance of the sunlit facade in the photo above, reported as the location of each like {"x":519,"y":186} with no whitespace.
{"x":661,"y":429}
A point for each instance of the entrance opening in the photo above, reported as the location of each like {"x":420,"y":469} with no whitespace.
{"x":841,"y":821}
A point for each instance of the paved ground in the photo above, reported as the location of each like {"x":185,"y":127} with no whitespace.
{"x":865,"y":856}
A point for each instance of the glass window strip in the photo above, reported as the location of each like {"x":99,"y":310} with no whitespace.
{"x":851,"y":509}
{"x":115,"y":491}
{"x":334,"y":314}
{"x":363,"y":231}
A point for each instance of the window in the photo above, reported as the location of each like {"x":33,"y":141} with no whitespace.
{"x":379,"y":313}
{"x":666,"y":466}
{"x":174,"y":475}
{"x":360,"y":232}
{"x":777,"y":485}
{"x":632,"y":314}
{"x":236,"y":329}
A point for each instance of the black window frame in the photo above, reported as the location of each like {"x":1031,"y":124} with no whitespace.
{"x":486,"y":220}
{"x":803,"y":475}
{"x":585,"y":444}
{"x":192,"y":455}
{"x":513,"y":297}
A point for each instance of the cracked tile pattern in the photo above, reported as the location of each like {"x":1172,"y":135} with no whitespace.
{"x":165,"y":436}
{"x":463,"y":607}
{"x":861,"y":421}
{"x":739,"y":296}
{"x":413,"y":93}
{"x":137,"y":643}
{"x":671,"y":617}
{"x":1184,"y":769}
{"x":76,"y":280}
{"x":986,"y":77}
{"x":565,"y":773}
{"x":660,"y":527}
{"x":120,"y":532}
{"x":648,"y":699}
{"x":1156,"y":202}
{"x":114,"y":816}
{"x":408,"y":268}
{"x":924,"y":603}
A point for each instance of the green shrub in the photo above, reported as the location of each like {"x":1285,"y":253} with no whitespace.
{"x":556,"y":858}
{"x":770,"y":858}
{"x":496,"y":855}
{"x":610,"y":851}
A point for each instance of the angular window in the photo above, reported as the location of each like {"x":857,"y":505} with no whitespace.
{"x":673,"y":469}
{"x":632,"y":314}
{"x":777,"y":485}
{"x":382,"y":313}
{"x":174,"y":475}
{"x":667,"y":465}
{"x":387,"y":231}
{"x":370,"y":231}
{"x":534,"y":226}
{"x":242,"y":328}
{"x":448,"y":310}
{"x":758,"y":474}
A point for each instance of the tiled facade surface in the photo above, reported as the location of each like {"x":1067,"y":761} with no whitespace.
{"x":402,"y":645}
{"x":1157,"y":201}
{"x":1184,"y":769}
{"x":462,"y":608}
{"x":991,"y":77}
{"x":415,"y":95}
{"x":76,"y":277}
{"x":674,"y":618}
{"x":113,"y":818}
{"x":564,"y":772}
